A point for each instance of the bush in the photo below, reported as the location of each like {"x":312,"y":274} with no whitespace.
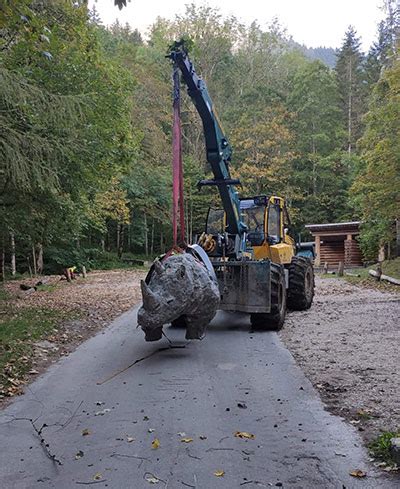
{"x":57,"y":259}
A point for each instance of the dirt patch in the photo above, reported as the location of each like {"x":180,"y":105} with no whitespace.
{"x":77,"y":311}
{"x":348,"y":346}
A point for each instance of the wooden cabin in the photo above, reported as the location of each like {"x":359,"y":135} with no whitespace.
{"x":335,"y":242}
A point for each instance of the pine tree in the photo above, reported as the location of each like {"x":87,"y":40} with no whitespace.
{"x":382,"y":51}
{"x":377,"y":186}
{"x":350,"y":78}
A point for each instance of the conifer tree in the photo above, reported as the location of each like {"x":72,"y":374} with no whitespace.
{"x":350,"y":78}
{"x":383,"y":49}
{"x":377,"y":186}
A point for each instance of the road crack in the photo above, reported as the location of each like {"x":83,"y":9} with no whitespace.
{"x":118,"y":372}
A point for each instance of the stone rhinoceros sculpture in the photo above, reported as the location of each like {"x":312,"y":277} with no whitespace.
{"x":179,"y":287}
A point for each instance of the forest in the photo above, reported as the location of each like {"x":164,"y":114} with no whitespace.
{"x":86,"y":125}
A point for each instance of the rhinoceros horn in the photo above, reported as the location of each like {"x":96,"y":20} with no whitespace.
{"x":158,"y":268}
{"x":150,"y":301}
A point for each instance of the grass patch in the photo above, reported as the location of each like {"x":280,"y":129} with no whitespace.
{"x":19,"y":330}
{"x":366,"y":280}
{"x":391,"y":268}
{"x":4,"y":295}
{"x":46,"y":288}
{"x":380,"y":447}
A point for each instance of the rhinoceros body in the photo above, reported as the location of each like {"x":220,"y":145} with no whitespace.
{"x":180,"y":286}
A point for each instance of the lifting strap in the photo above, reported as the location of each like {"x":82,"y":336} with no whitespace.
{"x":177,"y":169}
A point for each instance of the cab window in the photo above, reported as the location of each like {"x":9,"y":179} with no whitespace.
{"x":274,"y":223}
{"x":253,"y":217}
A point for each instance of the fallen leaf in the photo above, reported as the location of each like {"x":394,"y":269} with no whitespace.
{"x":155,"y":444}
{"x":102,"y":413}
{"x":85,"y":432}
{"x":152,"y":479}
{"x":244,"y":434}
{"x":151,"y":430}
{"x":181,"y":433}
{"x":33,"y":372}
{"x":219,"y":473}
{"x":97,"y":476}
{"x":130,"y":439}
{"x":357,"y":473}
{"x":203,"y":437}
{"x":186,"y":440}
{"x":79,"y":455}
{"x":242,"y":405}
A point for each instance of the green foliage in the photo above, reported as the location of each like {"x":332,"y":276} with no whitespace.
{"x":350,"y":77}
{"x":380,"y":447}
{"x":19,"y":329}
{"x":392,"y":268}
{"x":85,"y":119}
{"x":57,"y":258}
{"x":377,"y":186}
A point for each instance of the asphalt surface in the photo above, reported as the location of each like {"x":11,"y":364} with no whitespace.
{"x":101,"y":412}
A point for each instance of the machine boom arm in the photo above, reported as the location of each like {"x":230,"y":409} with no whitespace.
{"x":217,"y":146}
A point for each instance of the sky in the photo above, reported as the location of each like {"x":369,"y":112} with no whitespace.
{"x":310,"y":22}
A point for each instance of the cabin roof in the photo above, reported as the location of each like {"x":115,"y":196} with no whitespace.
{"x":351,"y":226}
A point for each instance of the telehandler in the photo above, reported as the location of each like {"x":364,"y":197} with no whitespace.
{"x":247,"y":241}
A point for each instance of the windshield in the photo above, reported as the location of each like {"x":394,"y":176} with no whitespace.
{"x":253,"y":217}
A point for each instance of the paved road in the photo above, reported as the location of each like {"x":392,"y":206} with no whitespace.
{"x":193,"y":390}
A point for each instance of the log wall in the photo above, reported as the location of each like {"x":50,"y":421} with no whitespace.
{"x":340,"y":250}
{"x":332,"y":252}
{"x":352,"y":254}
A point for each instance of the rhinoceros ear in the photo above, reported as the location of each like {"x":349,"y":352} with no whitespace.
{"x":158,"y":268}
{"x":180,"y":273}
{"x":150,"y":301}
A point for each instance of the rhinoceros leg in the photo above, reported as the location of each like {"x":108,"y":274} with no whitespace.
{"x":196,"y":326}
{"x":153,"y":334}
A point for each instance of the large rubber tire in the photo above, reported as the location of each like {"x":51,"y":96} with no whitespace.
{"x":274,"y":320}
{"x":301,"y":284}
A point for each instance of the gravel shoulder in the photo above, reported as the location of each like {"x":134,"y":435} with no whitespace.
{"x":348,"y":346}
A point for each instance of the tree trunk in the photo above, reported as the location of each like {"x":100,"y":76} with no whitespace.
{"x":3,"y":261}
{"x":34,"y":260}
{"x":146,"y":236}
{"x":103,"y":245}
{"x":381,"y":254}
{"x":13,"y":262}
{"x":29,"y":265}
{"x":118,"y":236}
{"x":161,"y":242}
{"x":350,"y":102}
{"x":152,"y":238}
{"x":39,"y":259}
{"x":120,"y":248}
{"x":68,"y":274}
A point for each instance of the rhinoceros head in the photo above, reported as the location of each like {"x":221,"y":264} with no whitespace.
{"x":163,"y":293}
